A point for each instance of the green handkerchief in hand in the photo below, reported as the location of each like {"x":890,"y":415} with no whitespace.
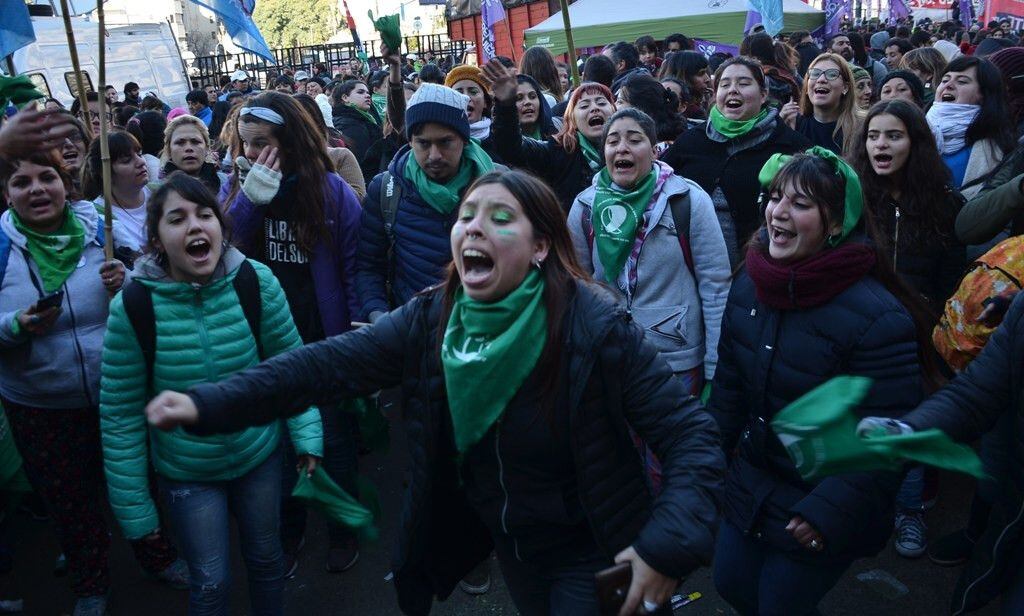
{"x":18,"y":90}
{"x":390,"y":31}
{"x":819,"y":432}
{"x":321,"y":493}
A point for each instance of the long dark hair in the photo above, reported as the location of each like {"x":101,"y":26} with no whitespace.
{"x":304,"y":156}
{"x":817,"y":178}
{"x":189,"y":189}
{"x":683,"y":65}
{"x":922,"y":182}
{"x":148,"y":129}
{"x":120,"y":144}
{"x":661,"y":104}
{"x":538,"y":63}
{"x":561,"y":269}
{"x":993,"y":121}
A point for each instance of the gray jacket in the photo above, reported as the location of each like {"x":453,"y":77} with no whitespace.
{"x":681,"y":315}
{"x":61,"y":368}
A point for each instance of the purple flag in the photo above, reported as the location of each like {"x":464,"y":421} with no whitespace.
{"x":491,"y":12}
{"x":835,"y":10}
{"x":753,"y":18}
{"x":965,"y":13}
{"x":898,"y":9}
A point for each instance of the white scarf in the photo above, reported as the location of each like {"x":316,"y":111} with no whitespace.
{"x":949,"y":123}
{"x":480,"y":130}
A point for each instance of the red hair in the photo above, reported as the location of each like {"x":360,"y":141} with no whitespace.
{"x":567,"y":136}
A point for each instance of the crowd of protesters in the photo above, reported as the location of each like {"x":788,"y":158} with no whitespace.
{"x":587,"y":300}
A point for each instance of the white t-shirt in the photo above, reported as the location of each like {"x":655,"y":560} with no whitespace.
{"x":132,"y":221}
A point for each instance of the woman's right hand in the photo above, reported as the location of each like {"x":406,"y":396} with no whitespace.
{"x":36,"y":321}
{"x":32,"y":130}
{"x":171,"y":409}
{"x":503,"y":81}
{"x":789,"y":112}
{"x":390,"y":58}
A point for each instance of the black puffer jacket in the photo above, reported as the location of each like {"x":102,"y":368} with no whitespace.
{"x":616,"y":382}
{"x":359,"y":134}
{"x":567,"y":174}
{"x":965,"y":409}
{"x":768,"y":358}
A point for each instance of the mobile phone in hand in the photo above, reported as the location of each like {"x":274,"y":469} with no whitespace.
{"x":53,"y":300}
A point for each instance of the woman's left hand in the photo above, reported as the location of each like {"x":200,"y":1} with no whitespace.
{"x":308,"y":462}
{"x":112,"y":273}
{"x":648,"y":586}
{"x":805,"y":534}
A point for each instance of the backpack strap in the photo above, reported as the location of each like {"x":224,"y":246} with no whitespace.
{"x":138,"y":305}
{"x":247,"y":287}
{"x":680,"y":207}
{"x":390,"y":197}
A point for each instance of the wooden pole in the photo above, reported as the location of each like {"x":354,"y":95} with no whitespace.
{"x":511,"y":41}
{"x":569,"y":43}
{"x":65,"y":13}
{"x":108,"y":215}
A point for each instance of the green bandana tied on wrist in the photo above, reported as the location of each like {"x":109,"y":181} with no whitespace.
{"x":853,"y":205}
{"x":819,"y":432}
{"x":594,"y":158}
{"x":734,"y":128}
{"x":56,"y":254}
{"x":488,"y":351}
{"x":445,"y":197}
{"x":366,"y":114}
{"x":615,"y":217}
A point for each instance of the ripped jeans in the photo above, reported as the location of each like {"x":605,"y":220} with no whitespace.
{"x":199,"y":513}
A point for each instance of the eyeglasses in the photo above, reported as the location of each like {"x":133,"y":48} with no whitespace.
{"x":96,"y":116}
{"x":830,"y":74}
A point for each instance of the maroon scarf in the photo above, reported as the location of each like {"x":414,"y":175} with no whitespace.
{"x":811,"y":282}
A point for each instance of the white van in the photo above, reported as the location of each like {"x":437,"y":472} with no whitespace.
{"x":144,"y":53}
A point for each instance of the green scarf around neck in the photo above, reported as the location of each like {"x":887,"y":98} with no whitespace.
{"x":615,"y":218}
{"x":594,"y":158}
{"x":56,"y":254}
{"x":366,"y":114}
{"x":488,"y":351}
{"x":535,"y":133}
{"x":734,"y":128}
{"x":445,"y":197}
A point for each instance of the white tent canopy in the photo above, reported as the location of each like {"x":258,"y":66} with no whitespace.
{"x":598,"y":22}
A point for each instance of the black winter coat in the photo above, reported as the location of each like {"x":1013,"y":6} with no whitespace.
{"x":767,"y":359}
{"x":965,"y":409}
{"x":567,"y":174}
{"x":359,"y":134}
{"x":732,"y":166}
{"x":617,"y":382}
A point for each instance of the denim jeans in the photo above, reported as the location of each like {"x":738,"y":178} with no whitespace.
{"x":199,"y":512}
{"x":340,"y":462}
{"x":910,"y":495}
{"x":760,"y":580}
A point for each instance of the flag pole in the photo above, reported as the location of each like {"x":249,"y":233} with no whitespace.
{"x":69,"y":32}
{"x":108,"y":215}
{"x":511,"y":41}
{"x":571,"y":52}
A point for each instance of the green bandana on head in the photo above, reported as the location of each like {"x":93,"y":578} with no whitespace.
{"x":488,"y":351}
{"x":615,"y":218}
{"x":594,"y":158}
{"x":734,"y":128}
{"x":819,"y":432}
{"x":445,"y":197}
{"x":853,"y":205}
{"x":56,"y":254}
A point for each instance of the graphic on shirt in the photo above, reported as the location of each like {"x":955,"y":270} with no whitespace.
{"x":472,"y":349}
{"x":613,"y":217}
{"x":282,"y":246}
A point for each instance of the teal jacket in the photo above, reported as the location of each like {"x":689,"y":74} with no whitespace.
{"x":202,"y":336}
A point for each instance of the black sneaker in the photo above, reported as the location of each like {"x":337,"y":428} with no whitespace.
{"x":477,"y":581}
{"x":343,"y":556}
{"x":951,"y":550}
{"x":291,"y":556}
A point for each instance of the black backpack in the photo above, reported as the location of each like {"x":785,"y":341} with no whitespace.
{"x":138,"y":305}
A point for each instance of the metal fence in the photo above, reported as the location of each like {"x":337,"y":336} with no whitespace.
{"x":209,"y":69}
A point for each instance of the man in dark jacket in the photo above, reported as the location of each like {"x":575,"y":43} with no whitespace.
{"x":803,"y":43}
{"x":402,"y":256}
{"x":626,"y":59}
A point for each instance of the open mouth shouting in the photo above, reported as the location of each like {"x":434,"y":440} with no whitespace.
{"x":477,"y":267}
{"x":780,"y":236}
{"x":70,"y":155}
{"x":596,"y":121}
{"x":882,"y":161}
{"x":199,"y":250}
{"x":947,"y":97}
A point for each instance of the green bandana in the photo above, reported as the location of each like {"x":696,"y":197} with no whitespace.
{"x":366,"y":114}
{"x":18,"y":91}
{"x":535,"y":133}
{"x":445,"y":197}
{"x":380,"y":103}
{"x":615,"y":217}
{"x":56,"y":254}
{"x":853,"y":201}
{"x":488,"y":351}
{"x":594,"y":159}
{"x":339,"y":506}
{"x":819,"y":432}
{"x":389,"y":27}
{"x":734,"y":128}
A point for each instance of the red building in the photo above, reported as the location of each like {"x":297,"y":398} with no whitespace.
{"x":464,"y":23}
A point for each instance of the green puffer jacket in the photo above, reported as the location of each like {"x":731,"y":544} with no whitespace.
{"x":202,"y":336}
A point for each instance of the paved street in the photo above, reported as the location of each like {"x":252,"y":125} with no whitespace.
{"x":364,"y":591}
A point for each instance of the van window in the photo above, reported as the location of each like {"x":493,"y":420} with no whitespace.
{"x":69,"y":78}
{"x":39,"y":81}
